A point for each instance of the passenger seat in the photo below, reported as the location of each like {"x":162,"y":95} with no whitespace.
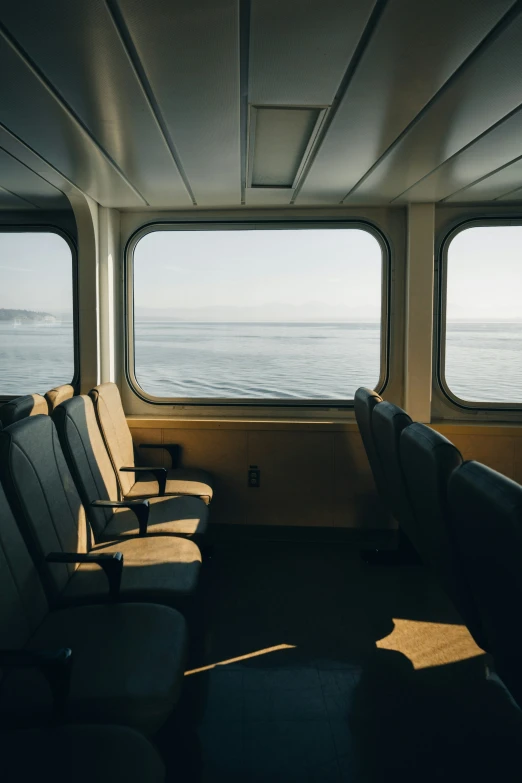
{"x":52,"y":519}
{"x":135,"y":481}
{"x":22,"y":407}
{"x":92,"y":469}
{"x":428,"y":461}
{"x":115,"y":663}
{"x":388,"y":423}
{"x":487,"y":523}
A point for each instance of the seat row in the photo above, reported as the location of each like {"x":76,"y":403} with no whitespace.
{"x":96,"y":590}
{"x":463,"y":518}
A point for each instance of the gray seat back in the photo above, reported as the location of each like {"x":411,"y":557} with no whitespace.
{"x":58,"y":395}
{"x":23,"y":605}
{"x":365,"y":401}
{"x":388,"y":422}
{"x":115,"y":431}
{"x":428,"y":460}
{"x":487,"y":522}
{"x":43,"y":497}
{"x":87,"y":457}
{"x":22,"y":407}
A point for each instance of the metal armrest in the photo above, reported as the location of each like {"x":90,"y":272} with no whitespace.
{"x":160,"y":475}
{"x":140,"y":508}
{"x":174,"y":450}
{"x":55,"y":665}
{"x":112,"y":565}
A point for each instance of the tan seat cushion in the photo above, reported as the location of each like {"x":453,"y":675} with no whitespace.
{"x":181,"y":481}
{"x":180,"y":516}
{"x":97,"y":754}
{"x":58,"y":395}
{"x":156,"y":568}
{"x":127,"y":669}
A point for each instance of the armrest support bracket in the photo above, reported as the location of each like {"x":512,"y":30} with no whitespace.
{"x":160,"y":474}
{"x":141,"y":508}
{"x":112,"y":565}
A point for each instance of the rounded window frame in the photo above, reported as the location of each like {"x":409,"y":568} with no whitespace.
{"x":49,"y":228}
{"x":441,"y":319}
{"x":222,"y":225}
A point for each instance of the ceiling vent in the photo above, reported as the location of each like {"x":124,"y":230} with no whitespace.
{"x":279,"y":142}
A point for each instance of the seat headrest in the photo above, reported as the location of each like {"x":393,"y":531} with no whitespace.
{"x":388,"y":421}
{"x":422,"y":448}
{"x":366,"y":398}
{"x":58,"y":395}
{"x":22,"y":408}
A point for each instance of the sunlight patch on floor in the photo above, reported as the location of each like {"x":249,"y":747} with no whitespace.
{"x":430,"y":644}
{"x":255,"y":654}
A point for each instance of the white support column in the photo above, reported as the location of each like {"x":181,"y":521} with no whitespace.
{"x":109,"y":232}
{"x":419,"y":311}
{"x":86,"y":215}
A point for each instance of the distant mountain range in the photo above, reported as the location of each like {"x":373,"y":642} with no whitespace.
{"x":26,"y":316}
{"x":274,"y":311}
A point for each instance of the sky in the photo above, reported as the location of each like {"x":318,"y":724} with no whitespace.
{"x":485,"y":274}
{"x":299,"y":273}
{"x":263,"y":274}
{"x":35,"y":272}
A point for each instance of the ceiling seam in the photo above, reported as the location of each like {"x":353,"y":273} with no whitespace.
{"x":348,"y":75}
{"x":49,"y":86}
{"x":51,"y":185}
{"x":129,"y":47}
{"x":44,"y":160}
{"x":244,"y":89}
{"x":488,"y":39}
{"x":480,"y":179}
{"x":509,"y":192}
{"x":459,"y":152}
{"x":16,"y":195}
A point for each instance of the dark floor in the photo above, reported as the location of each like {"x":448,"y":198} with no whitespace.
{"x":316,"y":667}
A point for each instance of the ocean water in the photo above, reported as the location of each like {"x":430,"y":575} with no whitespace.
{"x":35,"y":357}
{"x":266,"y":360}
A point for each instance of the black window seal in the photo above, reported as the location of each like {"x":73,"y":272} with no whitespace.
{"x":440,"y":313}
{"x":261,"y":223}
{"x":50,"y":228}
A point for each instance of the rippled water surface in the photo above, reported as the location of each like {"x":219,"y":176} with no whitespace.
{"x":266,"y":360}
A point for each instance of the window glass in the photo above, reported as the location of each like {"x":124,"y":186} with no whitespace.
{"x":258,"y":314}
{"x":36,"y":312}
{"x":484,"y":314}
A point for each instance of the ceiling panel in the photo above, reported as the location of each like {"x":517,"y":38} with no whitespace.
{"x":493,"y":150}
{"x":190,"y":54}
{"x":20,"y":180}
{"x":30,"y":111}
{"x":496,"y":185}
{"x":10,"y":201}
{"x":268,"y":197}
{"x":514,"y":195}
{"x":484,"y":93}
{"x":300,"y":49}
{"x":409,"y":57}
{"x":61,"y":38}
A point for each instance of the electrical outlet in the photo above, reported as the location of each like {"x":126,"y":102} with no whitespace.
{"x":254,"y":477}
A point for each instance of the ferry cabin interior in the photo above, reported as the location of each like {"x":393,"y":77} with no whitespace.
{"x":260,"y":375}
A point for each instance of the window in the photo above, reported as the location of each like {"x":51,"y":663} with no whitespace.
{"x":257,"y":314}
{"x":36,"y":312}
{"x":483,"y":326}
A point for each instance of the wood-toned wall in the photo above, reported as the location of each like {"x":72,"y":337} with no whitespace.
{"x":312,"y":474}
